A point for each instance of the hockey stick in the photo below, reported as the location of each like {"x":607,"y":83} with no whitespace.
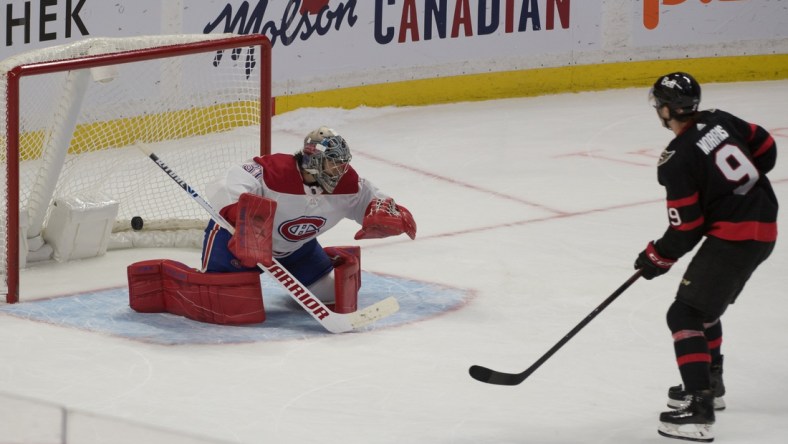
{"x":489,"y":376}
{"x":333,"y":322}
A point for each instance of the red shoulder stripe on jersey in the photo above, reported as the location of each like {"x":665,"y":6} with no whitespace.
{"x":765,"y":146}
{"x":348,"y":183}
{"x":742,"y":231}
{"x":715,"y":343}
{"x":683,"y":202}
{"x":691,"y":225}
{"x":281,"y":173}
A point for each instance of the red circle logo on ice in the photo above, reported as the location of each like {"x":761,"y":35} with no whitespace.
{"x":301,"y":228}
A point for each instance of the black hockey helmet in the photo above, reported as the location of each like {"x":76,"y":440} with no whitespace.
{"x":679,"y":91}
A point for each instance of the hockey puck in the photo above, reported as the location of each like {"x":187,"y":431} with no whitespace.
{"x":136,"y":223}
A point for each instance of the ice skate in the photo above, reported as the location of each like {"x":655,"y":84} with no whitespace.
{"x":693,"y":421}
{"x":677,"y":396}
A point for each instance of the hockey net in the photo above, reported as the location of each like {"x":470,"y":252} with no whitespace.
{"x":74,"y":118}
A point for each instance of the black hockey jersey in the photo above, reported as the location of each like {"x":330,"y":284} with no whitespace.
{"x":714,"y":174}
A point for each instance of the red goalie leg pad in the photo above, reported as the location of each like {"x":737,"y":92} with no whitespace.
{"x":145,"y":292}
{"x":216,"y":298}
{"x":254,"y":226}
{"x":347,"y":277}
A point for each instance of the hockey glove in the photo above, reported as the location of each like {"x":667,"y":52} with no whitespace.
{"x":385,"y":218}
{"x":652,"y":263}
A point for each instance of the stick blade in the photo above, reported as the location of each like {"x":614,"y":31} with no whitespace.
{"x":345,"y":322}
{"x":490,"y":376}
{"x":375,"y":312}
{"x":480,"y":373}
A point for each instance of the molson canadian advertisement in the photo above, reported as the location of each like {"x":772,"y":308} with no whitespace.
{"x":329,"y":44}
{"x":322,"y":44}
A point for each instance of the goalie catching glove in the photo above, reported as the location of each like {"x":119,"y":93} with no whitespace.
{"x":385,"y":218}
{"x":251,"y":243}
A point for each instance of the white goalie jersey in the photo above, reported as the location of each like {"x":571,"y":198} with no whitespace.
{"x":303,"y":211}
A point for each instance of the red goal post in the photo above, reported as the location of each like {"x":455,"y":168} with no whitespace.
{"x":74,"y":115}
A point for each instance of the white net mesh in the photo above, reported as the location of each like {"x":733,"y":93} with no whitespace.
{"x":78,"y":131}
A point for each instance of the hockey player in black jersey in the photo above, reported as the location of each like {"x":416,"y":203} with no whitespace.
{"x":714,"y":174}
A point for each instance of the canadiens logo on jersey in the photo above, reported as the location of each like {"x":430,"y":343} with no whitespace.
{"x":665,"y":156}
{"x":254,"y":169}
{"x":301,"y":228}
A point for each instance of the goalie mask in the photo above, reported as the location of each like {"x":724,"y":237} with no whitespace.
{"x":326,"y":156}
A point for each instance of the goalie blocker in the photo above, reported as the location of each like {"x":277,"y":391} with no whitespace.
{"x":254,"y":225}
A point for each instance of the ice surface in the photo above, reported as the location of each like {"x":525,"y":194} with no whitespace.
{"x":536,"y":209}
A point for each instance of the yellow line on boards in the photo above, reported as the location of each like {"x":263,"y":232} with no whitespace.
{"x":540,"y":81}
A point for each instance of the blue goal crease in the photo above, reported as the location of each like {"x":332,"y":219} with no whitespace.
{"x":107,"y":311}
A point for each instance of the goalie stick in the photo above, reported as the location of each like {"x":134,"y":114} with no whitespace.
{"x":333,"y":322}
{"x":490,"y":376}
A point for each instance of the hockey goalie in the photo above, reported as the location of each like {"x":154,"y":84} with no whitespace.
{"x":279,"y":205}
